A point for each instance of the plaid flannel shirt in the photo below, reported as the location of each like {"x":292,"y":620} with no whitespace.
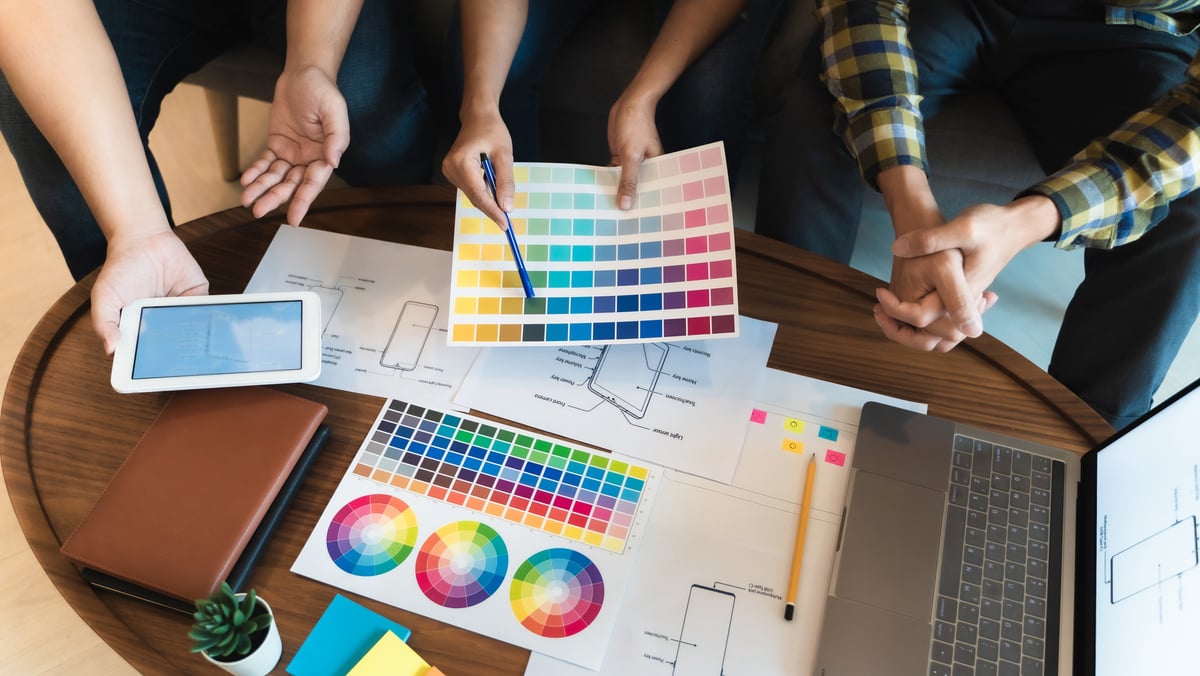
{"x":1111,"y":192}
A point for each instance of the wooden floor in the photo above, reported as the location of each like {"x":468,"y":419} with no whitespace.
{"x":39,"y":633}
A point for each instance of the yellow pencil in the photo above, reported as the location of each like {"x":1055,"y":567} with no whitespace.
{"x":801,"y":532}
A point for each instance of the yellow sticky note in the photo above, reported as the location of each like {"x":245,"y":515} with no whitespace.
{"x":390,"y":657}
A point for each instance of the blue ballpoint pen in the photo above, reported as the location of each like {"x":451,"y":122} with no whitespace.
{"x":489,"y":175}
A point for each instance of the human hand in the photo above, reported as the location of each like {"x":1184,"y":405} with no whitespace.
{"x":632,"y":137}
{"x":307,"y":131}
{"x":462,"y":167}
{"x":940,"y":334}
{"x":141,"y":266}
{"x":926,"y":283}
{"x":983,"y":239}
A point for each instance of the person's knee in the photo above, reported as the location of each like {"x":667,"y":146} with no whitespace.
{"x":392,"y":137}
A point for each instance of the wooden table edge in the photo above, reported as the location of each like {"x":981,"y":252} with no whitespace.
{"x":23,"y":382}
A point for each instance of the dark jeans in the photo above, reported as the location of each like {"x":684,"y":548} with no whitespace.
{"x":710,"y":101}
{"x":159,"y":42}
{"x":1069,"y":78}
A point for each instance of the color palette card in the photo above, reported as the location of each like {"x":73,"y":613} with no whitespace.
{"x":515,"y":535}
{"x":663,"y":270}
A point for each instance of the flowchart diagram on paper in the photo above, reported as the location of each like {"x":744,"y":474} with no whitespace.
{"x":383,"y":311}
{"x":683,"y":405}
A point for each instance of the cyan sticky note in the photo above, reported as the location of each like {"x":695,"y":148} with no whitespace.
{"x":343,"y":635}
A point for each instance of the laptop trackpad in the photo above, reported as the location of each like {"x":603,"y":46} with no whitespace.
{"x":890,"y":545}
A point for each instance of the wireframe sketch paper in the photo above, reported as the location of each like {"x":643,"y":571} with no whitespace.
{"x":706,"y":595}
{"x":383,"y":307}
{"x":681,"y":405}
{"x":663,"y":270}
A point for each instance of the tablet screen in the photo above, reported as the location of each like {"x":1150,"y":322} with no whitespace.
{"x":183,"y":340}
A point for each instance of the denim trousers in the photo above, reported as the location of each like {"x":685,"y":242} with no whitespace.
{"x":711,"y":100}
{"x":159,"y":42}
{"x":1069,"y":78}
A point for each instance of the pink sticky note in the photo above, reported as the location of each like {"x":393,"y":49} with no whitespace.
{"x":757,"y":416}
{"x":834,"y":458}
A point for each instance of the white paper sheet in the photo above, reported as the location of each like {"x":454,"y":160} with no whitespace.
{"x":515,"y":535}
{"x":384,"y":311}
{"x":681,"y":405}
{"x":706,"y":596}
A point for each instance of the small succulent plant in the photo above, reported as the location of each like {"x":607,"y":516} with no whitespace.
{"x":225,"y":625}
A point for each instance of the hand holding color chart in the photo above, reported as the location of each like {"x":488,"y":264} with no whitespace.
{"x":663,"y":270}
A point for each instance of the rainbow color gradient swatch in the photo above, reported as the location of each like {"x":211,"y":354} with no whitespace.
{"x":663,"y":270}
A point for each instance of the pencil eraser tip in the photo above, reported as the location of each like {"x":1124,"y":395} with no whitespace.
{"x":789,"y":611}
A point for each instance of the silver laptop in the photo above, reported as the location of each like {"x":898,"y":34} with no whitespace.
{"x":968,"y":552}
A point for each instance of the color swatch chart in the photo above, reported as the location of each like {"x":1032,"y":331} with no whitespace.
{"x":581,"y":495}
{"x":515,"y":535}
{"x":664,"y":269}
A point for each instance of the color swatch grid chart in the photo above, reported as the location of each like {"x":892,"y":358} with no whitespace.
{"x":441,"y":513}
{"x":664,"y":269}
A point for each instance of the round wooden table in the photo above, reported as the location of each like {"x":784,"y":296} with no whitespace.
{"x":64,"y":431}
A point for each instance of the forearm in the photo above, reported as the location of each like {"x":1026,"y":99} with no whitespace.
{"x":491,"y":32}
{"x":908,"y":198}
{"x":318,"y":32}
{"x":690,"y":28}
{"x":872,"y":74}
{"x":61,"y":66}
{"x":1120,"y":186}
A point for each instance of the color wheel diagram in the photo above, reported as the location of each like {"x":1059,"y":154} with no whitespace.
{"x":372,"y":534}
{"x":557,"y":592}
{"x":462,"y":564}
{"x":501,"y":562}
{"x":554,"y":593}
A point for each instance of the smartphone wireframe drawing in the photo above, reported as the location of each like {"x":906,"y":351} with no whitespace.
{"x":409,"y":335}
{"x":330,"y":299}
{"x":704,"y":637}
{"x":1159,"y":557}
{"x":626,"y":374}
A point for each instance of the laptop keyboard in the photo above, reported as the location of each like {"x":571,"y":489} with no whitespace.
{"x":998,"y":589}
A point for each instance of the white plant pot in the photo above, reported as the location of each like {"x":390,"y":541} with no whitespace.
{"x":262,"y":660}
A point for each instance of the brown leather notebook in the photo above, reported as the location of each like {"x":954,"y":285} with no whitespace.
{"x":184,"y":505}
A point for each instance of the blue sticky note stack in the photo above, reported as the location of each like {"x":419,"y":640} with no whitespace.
{"x":345,"y":632}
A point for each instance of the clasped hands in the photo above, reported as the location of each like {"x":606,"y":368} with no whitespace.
{"x":941,"y":272}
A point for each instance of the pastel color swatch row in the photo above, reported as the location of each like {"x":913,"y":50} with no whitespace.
{"x":582,"y":495}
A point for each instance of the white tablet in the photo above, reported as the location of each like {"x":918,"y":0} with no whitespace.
{"x":193,"y":342}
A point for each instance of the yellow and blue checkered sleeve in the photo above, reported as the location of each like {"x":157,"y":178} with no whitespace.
{"x":1120,"y":186}
{"x":870,"y":70}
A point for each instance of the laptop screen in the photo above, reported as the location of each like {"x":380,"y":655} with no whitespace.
{"x":1147,"y":566}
